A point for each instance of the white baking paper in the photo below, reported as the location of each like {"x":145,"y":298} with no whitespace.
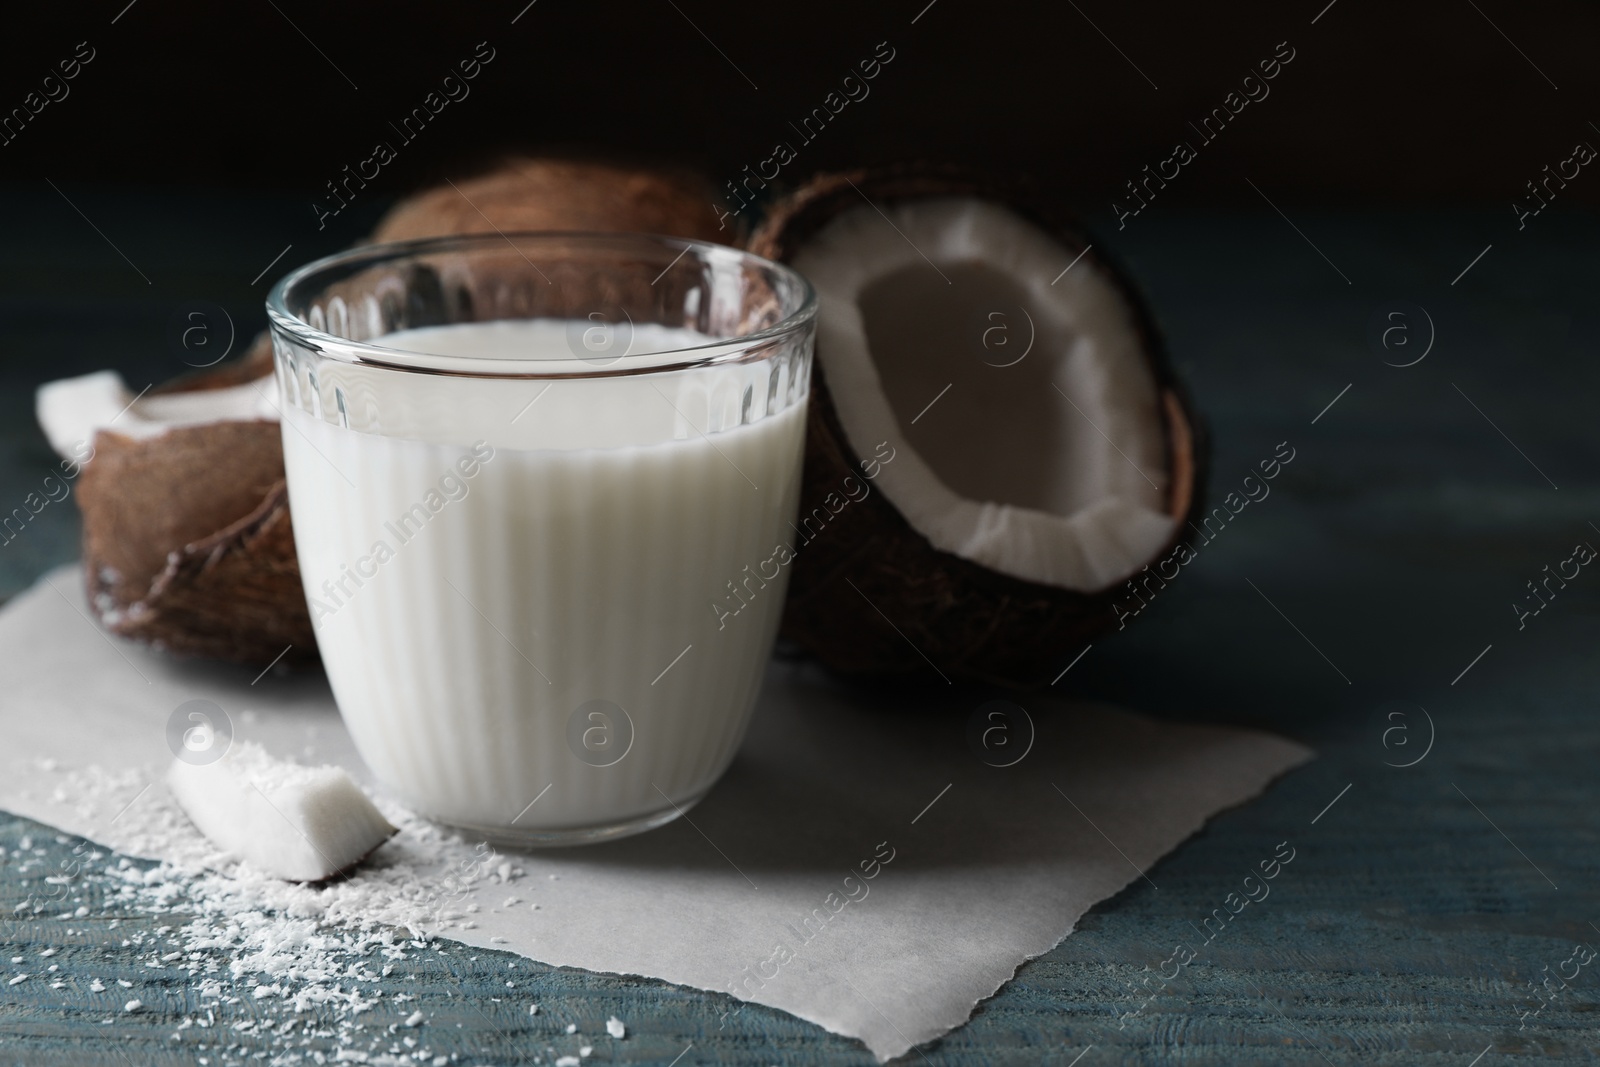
{"x":761,"y":890}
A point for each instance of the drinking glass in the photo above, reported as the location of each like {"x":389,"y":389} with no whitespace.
{"x":542,"y":488}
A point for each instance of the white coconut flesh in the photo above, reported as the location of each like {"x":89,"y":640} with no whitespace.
{"x":1019,"y":399}
{"x":73,"y":410}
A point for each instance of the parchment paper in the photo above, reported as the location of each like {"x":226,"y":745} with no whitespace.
{"x":990,"y":866}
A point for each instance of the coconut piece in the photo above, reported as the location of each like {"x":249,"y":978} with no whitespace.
{"x":73,"y":410}
{"x":158,"y":568}
{"x":302,"y":824}
{"x":1028,"y":447}
{"x":521,"y":193}
{"x":187,"y":539}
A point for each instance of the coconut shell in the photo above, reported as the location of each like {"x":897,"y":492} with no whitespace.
{"x":187,"y":543}
{"x":560,"y":194}
{"x":971,"y":622}
{"x":187,"y":539}
{"x":200,"y":559}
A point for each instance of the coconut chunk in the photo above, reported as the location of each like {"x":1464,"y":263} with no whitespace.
{"x":302,"y":824}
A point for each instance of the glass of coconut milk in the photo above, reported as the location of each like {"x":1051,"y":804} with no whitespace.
{"x":530,"y":476}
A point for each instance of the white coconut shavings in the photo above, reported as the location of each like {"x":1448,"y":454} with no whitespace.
{"x":310,"y":961}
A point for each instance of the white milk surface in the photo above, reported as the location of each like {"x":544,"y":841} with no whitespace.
{"x":479,"y":582}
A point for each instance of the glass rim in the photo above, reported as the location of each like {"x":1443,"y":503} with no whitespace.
{"x":367,"y":353}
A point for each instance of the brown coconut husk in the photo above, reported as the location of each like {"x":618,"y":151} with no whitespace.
{"x":971,"y":622}
{"x":187,"y":538}
{"x":522,"y":193}
{"x":199,"y":558}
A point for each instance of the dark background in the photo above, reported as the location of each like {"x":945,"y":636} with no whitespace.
{"x":192,"y":149}
{"x":1415,"y":102}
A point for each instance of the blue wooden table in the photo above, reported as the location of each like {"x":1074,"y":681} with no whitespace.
{"x":1445,"y":839}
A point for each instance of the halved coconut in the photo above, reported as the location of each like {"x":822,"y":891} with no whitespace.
{"x":996,"y":443}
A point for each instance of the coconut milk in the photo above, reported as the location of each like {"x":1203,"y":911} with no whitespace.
{"x":513,"y":594}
